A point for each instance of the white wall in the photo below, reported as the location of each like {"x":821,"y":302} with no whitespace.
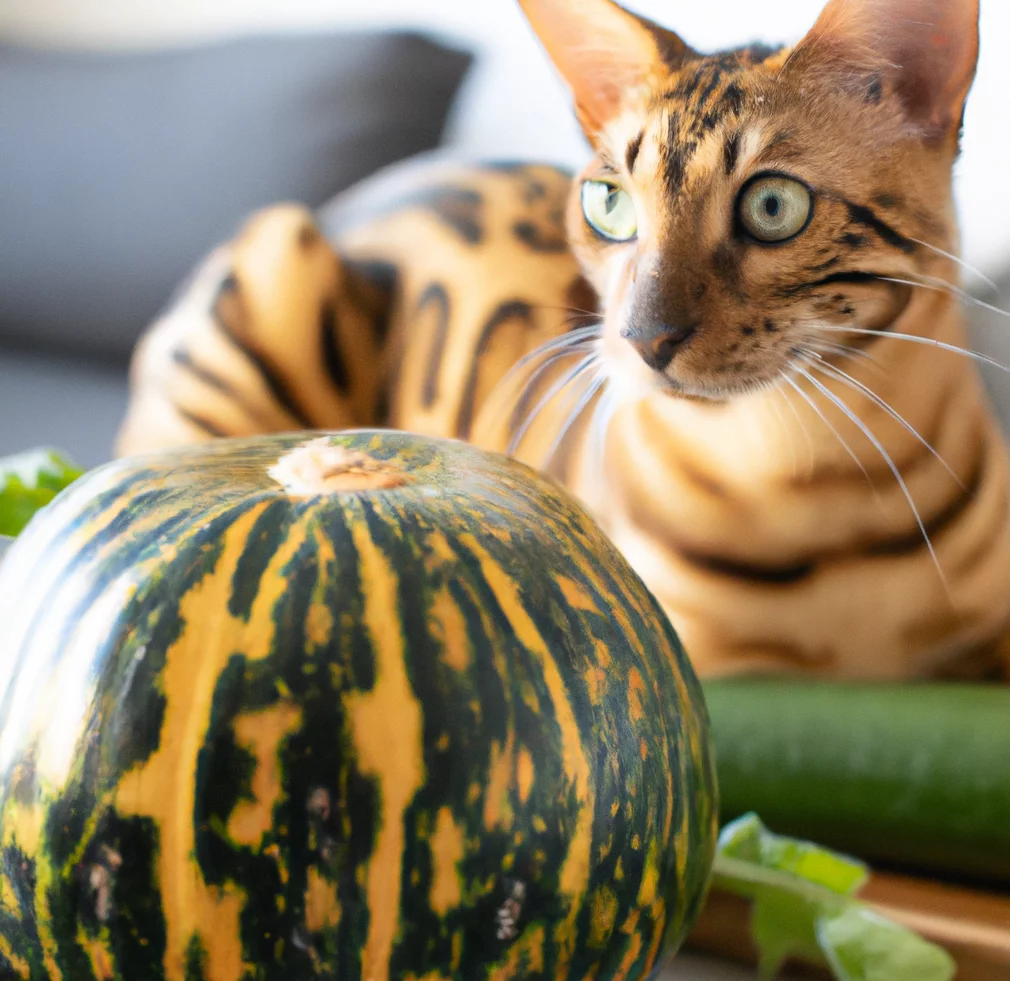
{"x":515,"y":106}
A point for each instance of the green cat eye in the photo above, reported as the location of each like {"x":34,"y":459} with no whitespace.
{"x":609,"y":210}
{"x":775,"y":208}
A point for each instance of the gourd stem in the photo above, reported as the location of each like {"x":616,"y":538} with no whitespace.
{"x":319,"y":467}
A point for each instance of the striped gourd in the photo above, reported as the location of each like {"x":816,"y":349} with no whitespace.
{"x":354,"y":706}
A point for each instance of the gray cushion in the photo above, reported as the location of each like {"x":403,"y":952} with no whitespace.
{"x":55,"y":401}
{"x":119,"y":170}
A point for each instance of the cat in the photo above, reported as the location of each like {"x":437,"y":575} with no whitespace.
{"x":735,"y":335}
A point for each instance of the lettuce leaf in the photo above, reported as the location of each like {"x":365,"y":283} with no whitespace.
{"x":28,"y":482}
{"x":804,"y":907}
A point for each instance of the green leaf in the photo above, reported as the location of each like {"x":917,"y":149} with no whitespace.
{"x":750,"y":840}
{"x":784,"y":926}
{"x":28,"y":482}
{"x":861,"y":945}
{"x":804,"y":908}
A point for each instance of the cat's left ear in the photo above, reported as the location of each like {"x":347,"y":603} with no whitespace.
{"x":610,"y":58}
{"x":926,"y":49}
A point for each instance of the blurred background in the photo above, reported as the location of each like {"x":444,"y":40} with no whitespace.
{"x":135,"y":134}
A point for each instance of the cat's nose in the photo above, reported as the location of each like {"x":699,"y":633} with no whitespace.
{"x":657,"y":347}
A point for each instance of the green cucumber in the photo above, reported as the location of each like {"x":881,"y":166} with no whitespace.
{"x":915,"y":775}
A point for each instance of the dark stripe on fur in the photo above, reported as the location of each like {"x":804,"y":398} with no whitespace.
{"x":862,"y":215}
{"x":333,"y":357}
{"x":547,"y":240}
{"x":634,"y":148}
{"x":372,"y":286}
{"x":677,"y":154}
{"x":732,"y":99}
{"x":203,"y":424}
{"x":947,"y":516}
{"x":458,"y":208}
{"x":507,"y":311}
{"x":824,"y":266}
{"x":183,"y":359}
{"x":434,"y":297}
{"x":856,"y":277}
{"x":899,"y":545}
{"x":731,"y":152}
{"x":230,"y":292}
{"x":759,"y":52}
{"x":758,"y":574}
{"x":671,"y":50}
{"x":715,"y":78}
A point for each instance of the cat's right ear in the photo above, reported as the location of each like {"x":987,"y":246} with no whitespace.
{"x":610,"y":58}
{"x":921,"y":52}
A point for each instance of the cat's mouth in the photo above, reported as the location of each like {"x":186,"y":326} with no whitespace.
{"x":719,"y":392}
{"x":698,"y":373}
{"x":724,"y":359}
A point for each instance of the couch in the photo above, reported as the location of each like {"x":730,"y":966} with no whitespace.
{"x":121,"y":168}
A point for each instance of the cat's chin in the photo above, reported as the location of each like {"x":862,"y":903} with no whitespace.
{"x":633,"y":381}
{"x":716,"y":394}
{"x":635,"y":386}
{"x":669,"y":388}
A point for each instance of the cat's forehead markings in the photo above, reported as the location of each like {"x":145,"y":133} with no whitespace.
{"x":687,"y":152}
{"x":711,"y":155}
{"x":699,"y":124}
{"x":753,"y":145}
{"x":631,"y":142}
{"x":707,"y":97}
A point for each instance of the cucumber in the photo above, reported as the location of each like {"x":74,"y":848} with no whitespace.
{"x":914,"y":776}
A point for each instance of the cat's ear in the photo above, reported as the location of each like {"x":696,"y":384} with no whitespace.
{"x":609,"y":57}
{"x":927,"y":50}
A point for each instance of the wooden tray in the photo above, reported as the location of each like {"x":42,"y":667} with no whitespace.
{"x":974,"y":926}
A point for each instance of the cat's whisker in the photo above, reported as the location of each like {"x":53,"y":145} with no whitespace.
{"x":805,"y":431}
{"x":916,"y":339}
{"x":591,"y":331}
{"x":847,"y":352}
{"x":891,"y":465}
{"x":964,"y":265}
{"x":831,"y":427}
{"x":515,"y":404}
{"x":603,"y":414}
{"x":589,"y":392}
{"x":553,"y":358}
{"x":857,"y":386}
{"x":577,"y":311}
{"x":551,"y":351}
{"x":785,"y":429}
{"x":527,"y":392}
{"x":552,"y":393}
{"x":842,"y":351}
{"x":937,"y":285}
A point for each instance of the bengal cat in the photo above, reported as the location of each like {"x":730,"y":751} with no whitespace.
{"x":735,"y":335}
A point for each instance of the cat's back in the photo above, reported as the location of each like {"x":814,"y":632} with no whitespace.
{"x":475,"y":262}
{"x":476,"y":206}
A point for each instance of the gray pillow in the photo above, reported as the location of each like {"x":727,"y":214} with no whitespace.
{"x":119,"y":170}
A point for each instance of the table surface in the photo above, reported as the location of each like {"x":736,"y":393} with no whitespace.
{"x":693,"y":967}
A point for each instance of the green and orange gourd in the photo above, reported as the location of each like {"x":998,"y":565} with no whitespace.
{"x":354,"y":706}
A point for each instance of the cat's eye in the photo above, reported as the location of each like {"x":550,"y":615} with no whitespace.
{"x":775,"y":208}
{"x":609,"y":210}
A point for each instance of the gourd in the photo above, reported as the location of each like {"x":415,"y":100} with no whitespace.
{"x":355,"y":706}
